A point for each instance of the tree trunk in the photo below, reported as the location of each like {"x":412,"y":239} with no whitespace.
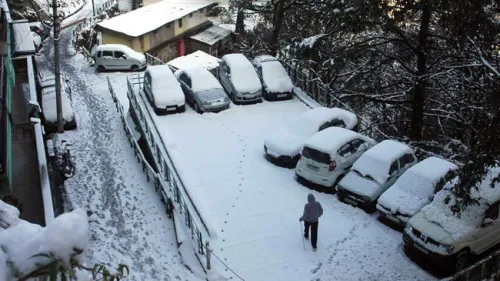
{"x":240,"y":21}
{"x":277,"y":22}
{"x":419,"y":91}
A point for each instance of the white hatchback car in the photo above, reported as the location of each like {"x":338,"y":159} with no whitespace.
{"x":276,"y":84}
{"x":284,"y":145}
{"x":374,"y":172}
{"x":328,"y":155}
{"x":238,"y":77}
{"x":446,"y":238}
{"x":415,"y":189}
{"x":163,"y":90}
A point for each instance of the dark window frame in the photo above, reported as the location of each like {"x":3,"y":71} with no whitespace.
{"x":179,"y":21}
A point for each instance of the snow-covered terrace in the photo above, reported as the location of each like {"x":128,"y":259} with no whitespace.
{"x":254,"y":205}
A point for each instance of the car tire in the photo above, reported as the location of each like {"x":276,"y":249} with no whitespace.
{"x":101,"y":68}
{"x":336,"y":182}
{"x":182,"y":108}
{"x":372,"y":208}
{"x":134,"y":67}
{"x":196,"y":107}
{"x":461,"y":260}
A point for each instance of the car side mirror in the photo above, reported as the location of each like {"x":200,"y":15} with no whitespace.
{"x":487,"y":222}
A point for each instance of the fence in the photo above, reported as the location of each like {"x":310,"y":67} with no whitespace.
{"x":166,"y":181}
{"x":151,"y":60}
{"x":487,"y":269}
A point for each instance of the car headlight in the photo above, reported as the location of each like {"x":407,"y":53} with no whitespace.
{"x":449,"y":248}
{"x":226,"y":99}
{"x":206,"y":103}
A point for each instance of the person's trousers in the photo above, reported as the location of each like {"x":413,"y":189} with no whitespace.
{"x":314,"y":232}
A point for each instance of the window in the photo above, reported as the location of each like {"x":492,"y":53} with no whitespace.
{"x":180,"y":23}
{"x":316,"y":155}
{"x":394,"y":168}
{"x":107,"y":54}
{"x":406,"y":159}
{"x":357,"y":145}
{"x":119,"y":55}
{"x":324,"y":126}
{"x":492,"y":212}
{"x":337,"y":123}
{"x":167,"y":25}
{"x":191,"y":15}
{"x":99,"y":54}
{"x":345,"y":150}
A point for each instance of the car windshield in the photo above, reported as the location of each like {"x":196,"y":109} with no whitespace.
{"x":211,"y":95}
{"x":302,"y":127}
{"x":316,"y":155}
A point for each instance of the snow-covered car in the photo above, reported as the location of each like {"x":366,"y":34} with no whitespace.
{"x":415,"y":189}
{"x":238,"y":77}
{"x":327,"y":156}
{"x":50,"y":81}
{"x":202,"y":90}
{"x":285,"y":144}
{"x":374,"y":172}
{"x":276,"y":84}
{"x":118,"y":57}
{"x":449,"y":238}
{"x":163,"y":90}
{"x":49,"y":105}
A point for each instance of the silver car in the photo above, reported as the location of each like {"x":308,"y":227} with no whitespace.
{"x":202,"y":90}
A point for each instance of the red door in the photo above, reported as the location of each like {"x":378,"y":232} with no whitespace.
{"x":180,"y":47}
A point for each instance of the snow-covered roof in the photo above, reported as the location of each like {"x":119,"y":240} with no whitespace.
{"x":166,"y":87}
{"x":439,"y":210}
{"x":201,"y":79}
{"x":154,"y":16}
{"x":211,"y":35}
{"x":196,"y":59}
{"x":378,"y":159}
{"x":331,"y":139}
{"x":243,"y":74}
{"x":23,"y":40}
{"x":416,"y":186}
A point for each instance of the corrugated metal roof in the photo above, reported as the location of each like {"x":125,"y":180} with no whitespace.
{"x":211,"y":35}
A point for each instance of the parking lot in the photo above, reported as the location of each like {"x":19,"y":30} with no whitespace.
{"x":255,"y":205}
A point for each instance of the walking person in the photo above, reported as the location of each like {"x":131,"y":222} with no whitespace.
{"x":312,"y":212}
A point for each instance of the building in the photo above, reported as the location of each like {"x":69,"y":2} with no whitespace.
{"x":212,"y":40}
{"x":22,"y":168}
{"x":159,"y":29}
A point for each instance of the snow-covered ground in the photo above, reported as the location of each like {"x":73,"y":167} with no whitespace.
{"x":128,"y":222}
{"x":255,"y":205}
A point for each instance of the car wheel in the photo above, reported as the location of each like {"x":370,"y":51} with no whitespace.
{"x":336,"y":182}
{"x":101,"y":68}
{"x":370,"y":209}
{"x":196,"y":107}
{"x":461,"y":260}
{"x":134,"y":67}
{"x":182,"y":108}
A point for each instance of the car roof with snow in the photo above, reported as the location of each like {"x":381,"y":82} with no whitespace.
{"x":414,"y":188}
{"x":324,"y":114}
{"x":243,"y":75}
{"x":264,"y":58}
{"x":201,"y":79}
{"x":114,"y":47}
{"x":377,"y":161}
{"x":162,"y":73}
{"x":237,"y":61}
{"x":439,"y":211}
{"x":331,"y":139}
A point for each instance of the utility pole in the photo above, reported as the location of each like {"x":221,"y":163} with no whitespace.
{"x":57,"y":31}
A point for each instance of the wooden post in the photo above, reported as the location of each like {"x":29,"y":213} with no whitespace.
{"x":208,"y":255}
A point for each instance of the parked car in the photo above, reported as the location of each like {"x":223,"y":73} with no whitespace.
{"x":50,"y":81}
{"x":238,"y":77}
{"x":374,"y":172}
{"x":49,"y":105}
{"x":163,"y":90}
{"x":328,"y":155}
{"x":118,"y":57}
{"x":276,"y":84}
{"x":202,"y":90}
{"x":415,"y":189}
{"x":285,"y":144}
{"x":449,"y":238}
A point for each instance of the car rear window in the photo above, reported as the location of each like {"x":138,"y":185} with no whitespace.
{"x":316,"y":155}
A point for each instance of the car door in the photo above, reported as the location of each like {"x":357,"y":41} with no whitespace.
{"x":186,"y":87}
{"x":121,"y":60}
{"x":223,"y":77}
{"x":488,"y":234}
{"x":148,"y":87}
{"x":108,"y":60}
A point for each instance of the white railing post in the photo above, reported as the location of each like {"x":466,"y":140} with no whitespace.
{"x":208,"y":254}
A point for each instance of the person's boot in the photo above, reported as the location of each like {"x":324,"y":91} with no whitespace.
{"x":315,"y":249}
{"x":306,"y":237}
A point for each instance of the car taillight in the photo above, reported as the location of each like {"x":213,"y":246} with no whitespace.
{"x":333,"y":165}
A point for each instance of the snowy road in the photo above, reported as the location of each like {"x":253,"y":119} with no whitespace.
{"x":128,"y":221}
{"x":256,"y":205}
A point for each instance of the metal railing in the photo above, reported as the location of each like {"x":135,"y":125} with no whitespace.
{"x":487,"y":269}
{"x":166,"y":180}
{"x":152,"y":60}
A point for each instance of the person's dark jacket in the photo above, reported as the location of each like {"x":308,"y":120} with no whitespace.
{"x":312,"y":210}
